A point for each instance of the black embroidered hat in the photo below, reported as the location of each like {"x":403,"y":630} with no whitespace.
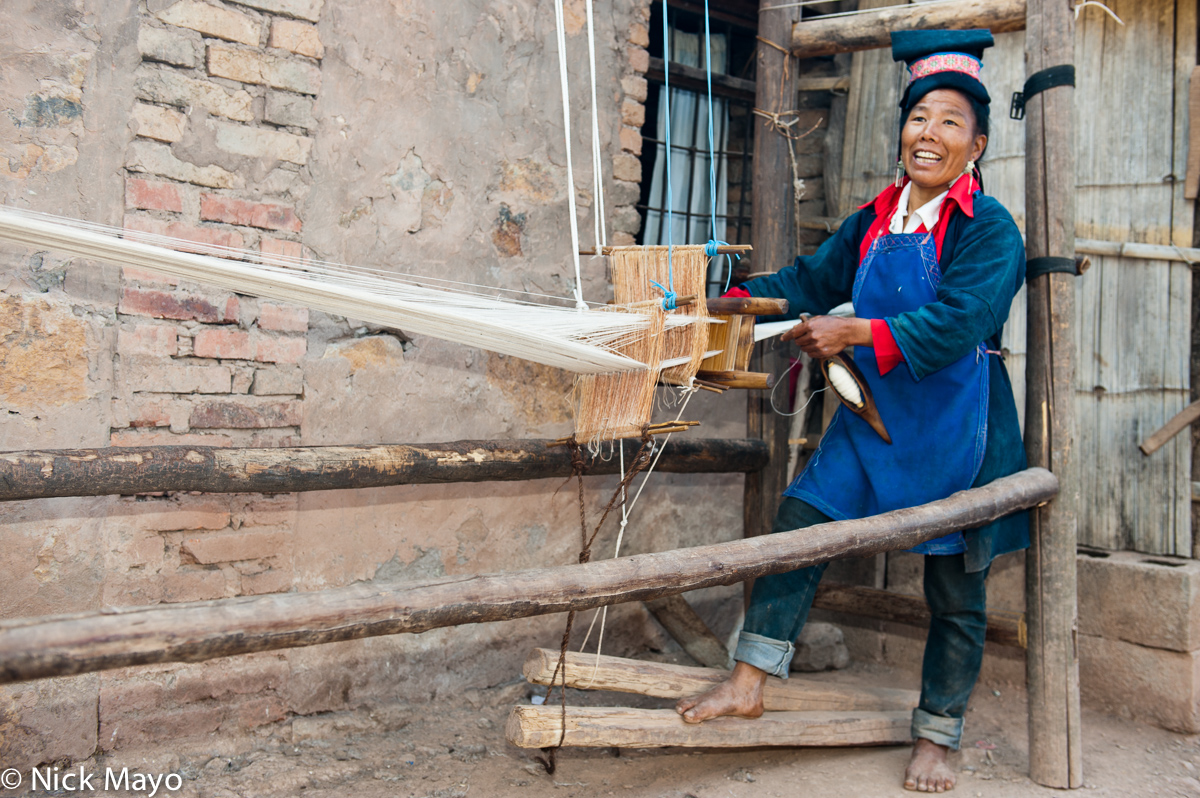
{"x":942,"y":59}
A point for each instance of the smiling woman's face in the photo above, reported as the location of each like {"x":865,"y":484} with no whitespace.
{"x":938,"y":139}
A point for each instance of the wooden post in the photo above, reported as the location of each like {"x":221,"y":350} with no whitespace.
{"x":1052,"y":659}
{"x":774,"y":247}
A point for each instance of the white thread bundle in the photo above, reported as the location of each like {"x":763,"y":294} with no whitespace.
{"x":589,"y":341}
{"x":843,"y":382}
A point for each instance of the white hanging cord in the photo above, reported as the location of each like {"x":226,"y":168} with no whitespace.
{"x":782,"y":378}
{"x":801,"y":4}
{"x":1080,"y":6}
{"x":597,"y":168}
{"x":626,"y":509}
{"x":566,"y":100}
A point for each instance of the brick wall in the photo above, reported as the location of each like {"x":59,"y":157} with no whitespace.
{"x":223,"y":121}
{"x":627,"y":165}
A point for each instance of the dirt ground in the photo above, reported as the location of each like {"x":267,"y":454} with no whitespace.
{"x":459,"y":750}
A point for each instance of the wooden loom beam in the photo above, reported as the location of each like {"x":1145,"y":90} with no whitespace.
{"x":604,"y":727}
{"x":1052,"y":659}
{"x":34,"y":648}
{"x":151,"y":469}
{"x":866,"y":31}
{"x":662,"y":680}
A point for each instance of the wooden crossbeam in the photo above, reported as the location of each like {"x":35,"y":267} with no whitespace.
{"x":663,"y":680}
{"x":866,"y":31}
{"x":34,"y":648}
{"x":600,"y":727}
{"x":149,"y":469}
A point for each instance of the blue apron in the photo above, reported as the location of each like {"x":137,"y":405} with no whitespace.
{"x":938,"y":425}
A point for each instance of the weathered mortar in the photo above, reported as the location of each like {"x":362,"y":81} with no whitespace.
{"x":290,"y":126}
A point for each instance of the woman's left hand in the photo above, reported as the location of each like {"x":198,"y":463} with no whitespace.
{"x":825,"y":336}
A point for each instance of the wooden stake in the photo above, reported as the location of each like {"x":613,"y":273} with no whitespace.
{"x":689,"y":630}
{"x":1182,"y":419}
{"x":866,"y":31}
{"x":35,"y":648}
{"x":605,"y":727}
{"x":1052,"y":659}
{"x":1005,"y":627}
{"x":661,"y":680}
{"x":151,"y":469}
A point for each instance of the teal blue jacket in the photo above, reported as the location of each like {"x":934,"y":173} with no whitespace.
{"x":982,"y":261}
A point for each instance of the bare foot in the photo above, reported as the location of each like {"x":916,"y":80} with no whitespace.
{"x":740,"y":694}
{"x":928,"y":770}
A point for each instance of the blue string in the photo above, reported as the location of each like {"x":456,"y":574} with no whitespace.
{"x":668,"y":293}
{"x":710,"y":249}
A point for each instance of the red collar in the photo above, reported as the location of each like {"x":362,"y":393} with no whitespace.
{"x":961,"y":197}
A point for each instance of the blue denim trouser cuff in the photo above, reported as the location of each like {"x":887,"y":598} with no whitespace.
{"x":764,"y":653}
{"x":937,"y":729}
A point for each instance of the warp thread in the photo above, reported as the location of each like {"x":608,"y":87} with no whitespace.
{"x":578,"y":467}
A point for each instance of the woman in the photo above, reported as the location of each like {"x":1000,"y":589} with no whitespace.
{"x":932,"y":266}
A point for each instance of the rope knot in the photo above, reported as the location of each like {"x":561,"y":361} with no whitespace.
{"x":669,"y":296}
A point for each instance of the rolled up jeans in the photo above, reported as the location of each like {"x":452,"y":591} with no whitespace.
{"x":780,"y":603}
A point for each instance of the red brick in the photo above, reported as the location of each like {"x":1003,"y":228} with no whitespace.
{"x":207,"y":236}
{"x":639,"y":34}
{"x":179,"y":513}
{"x":138,"y":438}
{"x":633,"y":113}
{"x":150,"y":413}
{"x":143,"y":276}
{"x":153,"y":728}
{"x":277,"y":247}
{"x":216,"y":208}
{"x":178,"y":305}
{"x":156,"y":340}
{"x":234,"y":546}
{"x":152,"y":195}
{"x":285,"y":318}
{"x":245,"y":415}
{"x":223,"y":343}
{"x":639,"y":60}
{"x":281,"y":350}
{"x":255,"y":712}
{"x":193,"y":585}
{"x":273,"y":580}
{"x":631,"y":140}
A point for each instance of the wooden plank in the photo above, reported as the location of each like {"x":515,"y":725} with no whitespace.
{"x":829,"y":35}
{"x":1183,"y":209}
{"x":1052,"y":658}
{"x":33,"y":648}
{"x":751,"y":380}
{"x":689,"y":630}
{"x":1192,"y":179}
{"x":605,"y":727}
{"x":662,"y":680}
{"x":150,"y":469}
{"x":1004,"y":627}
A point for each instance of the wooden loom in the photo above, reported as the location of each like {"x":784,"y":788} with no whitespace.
{"x":711,"y":352}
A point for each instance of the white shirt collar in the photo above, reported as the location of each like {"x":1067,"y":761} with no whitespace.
{"x":926,"y":215}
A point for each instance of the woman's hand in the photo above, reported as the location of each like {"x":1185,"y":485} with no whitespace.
{"x":825,"y":336}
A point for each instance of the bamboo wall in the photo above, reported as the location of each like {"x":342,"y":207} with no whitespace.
{"x":1133,"y":316}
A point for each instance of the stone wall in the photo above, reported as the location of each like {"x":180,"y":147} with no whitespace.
{"x":385,"y":133}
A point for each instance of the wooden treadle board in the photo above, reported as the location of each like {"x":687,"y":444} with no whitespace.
{"x":599,"y":727}
{"x":676,"y":681}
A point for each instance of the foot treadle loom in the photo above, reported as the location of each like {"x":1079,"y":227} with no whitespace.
{"x":799,"y":712}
